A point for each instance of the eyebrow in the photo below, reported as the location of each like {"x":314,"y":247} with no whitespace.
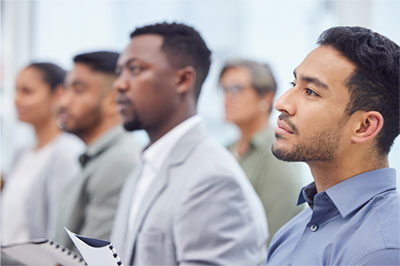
{"x":313,"y":80}
{"x":77,"y":83}
{"x":119,"y":66}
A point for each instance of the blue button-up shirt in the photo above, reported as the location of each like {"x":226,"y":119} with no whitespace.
{"x":356,"y":222}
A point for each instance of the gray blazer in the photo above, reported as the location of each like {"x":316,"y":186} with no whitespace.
{"x":201,"y":210}
{"x":89,"y":202}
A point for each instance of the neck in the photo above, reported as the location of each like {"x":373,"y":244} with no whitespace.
{"x":46,"y":132}
{"x":248,"y":130}
{"x":173,"y":120}
{"x":328,"y":174}
{"x":96,"y":132}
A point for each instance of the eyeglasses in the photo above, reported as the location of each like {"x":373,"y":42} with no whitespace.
{"x":233,"y":89}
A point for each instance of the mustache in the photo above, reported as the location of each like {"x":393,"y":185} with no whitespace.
{"x":62,"y":110}
{"x":123,"y":100}
{"x":285,"y":118}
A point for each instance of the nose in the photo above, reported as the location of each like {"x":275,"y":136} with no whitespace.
{"x":286,"y":103}
{"x":65,"y":98}
{"x":228,"y":96}
{"x":17,"y":99}
{"x":121,"y":83}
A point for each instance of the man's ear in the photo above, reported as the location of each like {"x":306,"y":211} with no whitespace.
{"x":186,"y":79}
{"x":369,"y":124}
{"x":110,"y":103}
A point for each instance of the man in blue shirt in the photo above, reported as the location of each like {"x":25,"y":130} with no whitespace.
{"x":341,"y":117}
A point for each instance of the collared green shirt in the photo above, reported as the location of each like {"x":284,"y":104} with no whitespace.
{"x":276,"y":182}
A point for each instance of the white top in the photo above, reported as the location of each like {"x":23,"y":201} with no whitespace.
{"x":29,"y":170}
{"x":152,"y":159}
{"x":14,"y":221}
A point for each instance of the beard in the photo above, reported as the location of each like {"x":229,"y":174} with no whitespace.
{"x":83,"y":124}
{"x":132,"y":122}
{"x":132,"y":125}
{"x":322,"y":146}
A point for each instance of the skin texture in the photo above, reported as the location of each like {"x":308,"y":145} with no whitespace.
{"x":313,"y":126}
{"x":37,"y":105}
{"x":152,"y":94}
{"x":243,"y":107}
{"x":88,"y":106}
{"x":240,"y":107}
{"x":33,"y":99}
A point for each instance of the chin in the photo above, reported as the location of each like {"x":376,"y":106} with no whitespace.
{"x":21,"y":119}
{"x":132,"y":125}
{"x":281,"y":153}
{"x":228,"y":118}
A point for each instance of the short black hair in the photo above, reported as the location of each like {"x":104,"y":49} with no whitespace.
{"x":52,"y":74}
{"x":101,"y":61}
{"x":184,"y":47}
{"x":374,"y":84}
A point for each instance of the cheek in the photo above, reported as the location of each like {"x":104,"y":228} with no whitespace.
{"x":84,"y":108}
{"x":41,"y":110}
{"x":45,"y":105}
{"x":241,"y":106}
{"x":37,"y":103}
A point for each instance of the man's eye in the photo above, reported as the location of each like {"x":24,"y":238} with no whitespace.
{"x":310,"y":92}
{"x":134,"y":69}
{"x":78,"y":90}
{"x":292,"y":84}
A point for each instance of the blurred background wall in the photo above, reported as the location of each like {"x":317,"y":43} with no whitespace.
{"x":278,"y":32}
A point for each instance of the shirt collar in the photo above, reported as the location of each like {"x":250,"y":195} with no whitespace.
{"x":101,"y":144}
{"x":156,"y":153}
{"x":307,"y":194}
{"x":354,"y":192}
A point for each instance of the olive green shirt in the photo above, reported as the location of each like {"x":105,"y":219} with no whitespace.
{"x":276,"y":182}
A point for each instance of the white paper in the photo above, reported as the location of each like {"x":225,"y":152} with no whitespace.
{"x":42,"y":252}
{"x":96,"y":254}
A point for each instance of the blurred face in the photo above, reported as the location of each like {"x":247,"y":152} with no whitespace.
{"x":241,"y":99}
{"x":33,"y":99}
{"x":81,"y":102}
{"x":146,"y":84}
{"x":312,"y":124}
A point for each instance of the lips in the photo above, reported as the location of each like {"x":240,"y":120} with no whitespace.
{"x":21,"y":112}
{"x":283,"y":128}
{"x":122,"y":100}
{"x":63,"y":116}
{"x":122,"y":103}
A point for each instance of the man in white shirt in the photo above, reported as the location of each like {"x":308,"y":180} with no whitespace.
{"x":188,"y":202}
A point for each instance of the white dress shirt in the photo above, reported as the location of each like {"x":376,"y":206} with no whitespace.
{"x":152,"y":159}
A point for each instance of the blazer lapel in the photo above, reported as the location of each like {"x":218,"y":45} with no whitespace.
{"x":158,"y":185}
{"x":178,"y":154}
{"x":121,"y":223}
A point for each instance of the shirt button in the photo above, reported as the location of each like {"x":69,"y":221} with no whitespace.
{"x":314,"y":227}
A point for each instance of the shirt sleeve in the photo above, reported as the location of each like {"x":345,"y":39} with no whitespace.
{"x":381,"y":257}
